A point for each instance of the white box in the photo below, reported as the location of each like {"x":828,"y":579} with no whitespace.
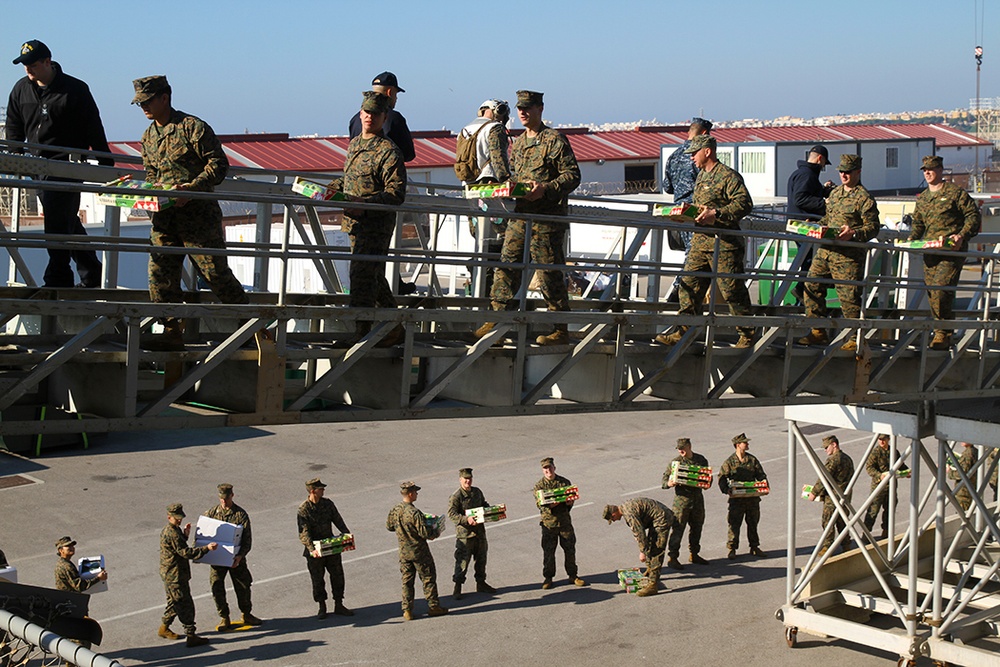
{"x":9,"y":573}
{"x":90,"y":567}
{"x":227,"y":535}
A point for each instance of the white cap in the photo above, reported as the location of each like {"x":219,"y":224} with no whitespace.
{"x":490,"y":104}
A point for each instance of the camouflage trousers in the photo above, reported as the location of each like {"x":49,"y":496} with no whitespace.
{"x":829,"y":512}
{"x":654,"y":555}
{"x":833,"y":264}
{"x":369,"y":286}
{"x":241,"y":578}
{"x":564,"y":537}
{"x":964,"y":497}
{"x":734,"y":290}
{"x":410,"y":569}
{"x":180,"y":605}
{"x":743,"y":510}
{"x":880,"y":503}
{"x":689,"y":512}
{"x":546,"y":247}
{"x":195,"y":225}
{"x":466,"y":550}
{"x":327,"y":564}
{"x":942,"y":272}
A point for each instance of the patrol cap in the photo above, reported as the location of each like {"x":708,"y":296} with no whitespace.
{"x":408,"y":487}
{"x":176,"y":510}
{"x":465,"y":473}
{"x":701,"y":141}
{"x":830,"y":440}
{"x":528,"y":98}
{"x":387,"y":79}
{"x":820,"y":149}
{"x":742,"y":437}
{"x":66,"y":541}
{"x":548,"y":462}
{"x":701,"y":122}
{"x":373,"y":102}
{"x":683,"y":442}
{"x":314,"y":483}
{"x":932,"y":162}
{"x":225,"y":490}
{"x":608,"y":511}
{"x":882,"y":436}
{"x":849,"y":162}
{"x":149,"y":87}
{"x":31,"y":52}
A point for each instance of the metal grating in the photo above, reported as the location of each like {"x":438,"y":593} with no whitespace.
{"x":11,"y":481}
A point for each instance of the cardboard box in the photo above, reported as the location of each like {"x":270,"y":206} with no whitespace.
{"x":811,"y":229}
{"x":9,"y":574}
{"x":941,"y":242}
{"x":488,"y":514}
{"x":332,"y":546}
{"x":676,"y":212}
{"x":436,"y":523}
{"x":315,"y":190}
{"x":90,"y":567}
{"x":554,"y":496}
{"x":631,"y":579}
{"x":227,"y":535}
{"x":509,"y":190}
{"x":143,"y":202}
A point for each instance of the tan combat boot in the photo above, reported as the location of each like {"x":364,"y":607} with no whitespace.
{"x":671,"y":339}
{"x":746,"y":341}
{"x":408,"y":615}
{"x":437,"y":611}
{"x":224,"y":625}
{"x":941,"y":341}
{"x":250,"y":619}
{"x":194,"y":640}
{"x":815,"y":337}
{"x":558,"y":337}
{"x":167,"y":633}
{"x":171,"y":340}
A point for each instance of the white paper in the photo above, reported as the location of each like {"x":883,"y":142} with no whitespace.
{"x":227,"y":535}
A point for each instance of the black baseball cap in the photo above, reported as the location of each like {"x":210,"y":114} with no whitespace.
{"x":31,"y":52}
{"x":819,"y":149}
{"x":387,"y":79}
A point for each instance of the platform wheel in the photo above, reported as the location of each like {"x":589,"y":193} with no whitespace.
{"x":791,"y":636}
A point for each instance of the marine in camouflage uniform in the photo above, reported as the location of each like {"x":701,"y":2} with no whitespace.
{"x":67,"y":575}
{"x":470,"y":538}
{"x":181,"y":151}
{"x":314,"y":519}
{"x":543,"y":157}
{"x":851,"y":209}
{"x":175,"y":571}
{"x":415,"y":556}
{"x":841,"y":469}
{"x":965,"y":461}
{"x":943,"y":210}
{"x":374,"y":173}
{"x":742,"y":466}
{"x":679,"y":174}
{"x":689,"y":509}
{"x":724,"y":198}
{"x":877,"y":466}
{"x":228,"y":511}
{"x":650,"y":522}
{"x":557,"y":528}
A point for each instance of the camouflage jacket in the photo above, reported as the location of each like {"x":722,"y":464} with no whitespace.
{"x":749,"y":470}
{"x":856,"y":209}
{"x":236,"y":515}
{"x":314,"y":521}
{"x":965,"y":461}
{"x":546,"y":158}
{"x":948,"y":211}
{"x":878,"y":463}
{"x":723,"y":189}
{"x":554,"y":516}
{"x":411,"y":531}
{"x":680,"y":489}
{"x":175,"y":554}
{"x":463,"y":500}
{"x":643,"y":515}
{"x":679,"y":174}
{"x":375,"y":172}
{"x":185,"y":150}
{"x":68,"y":577}
{"x":841,"y":468}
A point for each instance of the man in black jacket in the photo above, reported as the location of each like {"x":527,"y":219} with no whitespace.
{"x":53,"y":108}
{"x":394,"y":128}
{"x":807,"y":197}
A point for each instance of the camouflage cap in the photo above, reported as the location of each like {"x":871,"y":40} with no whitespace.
{"x":66,"y":541}
{"x":931,"y":162}
{"x":31,"y":52}
{"x":387,"y":79}
{"x":701,"y":141}
{"x":882,"y":436}
{"x":830,"y":440}
{"x":408,"y":487}
{"x":225,"y":490}
{"x":315,"y":483}
{"x":177,"y":510}
{"x":608,"y":511}
{"x":683,"y":442}
{"x":742,"y":437}
{"x":547,"y":462}
{"x":849,"y":162}
{"x":373,"y":102}
{"x":701,"y":122}
{"x":149,"y":87}
{"x":528,"y":98}
{"x":465,"y":473}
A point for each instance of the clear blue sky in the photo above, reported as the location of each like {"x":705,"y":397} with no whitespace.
{"x":300,"y":66}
